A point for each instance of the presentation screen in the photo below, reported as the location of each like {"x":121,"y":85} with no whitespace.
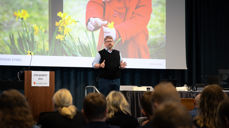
{"x":149,"y":34}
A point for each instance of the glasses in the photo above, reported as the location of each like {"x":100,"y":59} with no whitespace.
{"x":108,"y":41}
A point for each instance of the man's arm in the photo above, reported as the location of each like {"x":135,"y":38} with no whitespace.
{"x":122,"y":63}
{"x":95,"y":62}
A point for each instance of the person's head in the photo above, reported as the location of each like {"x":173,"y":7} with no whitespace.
{"x":117,"y":102}
{"x":165,"y":91}
{"x":62,"y":100}
{"x":171,"y":115}
{"x":108,"y":42}
{"x":223,"y":114}
{"x":147,"y":103}
{"x":211,"y":96}
{"x":94,"y":107}
{"x":15,"y":110}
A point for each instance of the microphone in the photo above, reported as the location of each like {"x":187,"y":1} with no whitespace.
{"x":20,"y":74}
{"x":31,"y":58}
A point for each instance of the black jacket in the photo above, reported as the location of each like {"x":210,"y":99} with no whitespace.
{"x":123,"y":120}
{"x":55,"y":120}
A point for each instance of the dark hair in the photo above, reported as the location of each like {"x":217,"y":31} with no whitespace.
{"x":108,"y":37}
{"x":171,"y":115}
{"x":94,"y":106}
{"x":15,"y":109}
{"x":147,"y":103}
{"x":210,"y":98}
{"x":223,"y":113}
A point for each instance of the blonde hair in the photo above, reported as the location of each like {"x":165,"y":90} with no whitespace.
{"x":117,"y":102}
{"x":63,"y":102}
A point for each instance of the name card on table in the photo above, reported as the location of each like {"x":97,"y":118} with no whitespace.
{"x":40,"y":78}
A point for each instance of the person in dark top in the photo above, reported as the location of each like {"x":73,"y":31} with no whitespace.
{"x":94,"y":109}
{"x":119,"y":111}
{"x":223,"y":114}
{"x":66,"y":114}
{"x":109,"y":62}
{"x":210,"y":98}
{"x":171,"y":114}
{"x":147,"y":108}
{"x":15,"y":111}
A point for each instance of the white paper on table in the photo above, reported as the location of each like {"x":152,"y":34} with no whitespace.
{"x":40,"y":78}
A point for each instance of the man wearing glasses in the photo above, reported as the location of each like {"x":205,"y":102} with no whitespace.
{"x":109,"y":62}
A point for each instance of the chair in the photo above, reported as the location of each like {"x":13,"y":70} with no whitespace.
{"x":94,"y":89}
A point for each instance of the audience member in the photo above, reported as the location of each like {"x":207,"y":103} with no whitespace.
{"x":94,"y":109}
{"x":211,"y":96}
{"x":165,"y":91}
{"x":14,"y":110}
{"x":119,"y":111}
{"x":66,"y":114}
{"x":194,"y":112}
{"x":171,"y":115}
{"x":223,"y":114}
{"x":146,"y":108}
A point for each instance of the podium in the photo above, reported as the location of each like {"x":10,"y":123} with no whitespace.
{"x":39,"y":97}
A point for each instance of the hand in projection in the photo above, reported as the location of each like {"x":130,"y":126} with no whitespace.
{"x":95,"y":23}
{"x":109,"y":32}
{"x":123,"y":64}
{"x":102,"y":65}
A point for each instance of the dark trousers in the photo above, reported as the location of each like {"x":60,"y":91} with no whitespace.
{"x":107,"y":85}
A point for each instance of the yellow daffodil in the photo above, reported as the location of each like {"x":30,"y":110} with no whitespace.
{"x":23,"y":14}
{"x":110,"y":25}
{"x":59,"y":14}
{"x":60,"y":37}
{"x":60,"y":29}
{"x":64,"y":15}
{"x":63,"y":24}
{"x":66,"y":30}
{"x":17,"y":14}
{"x":65,"y":19}
{"x":29,"y":52}
{"x":57,"y":23}
{"x":36,"y":29}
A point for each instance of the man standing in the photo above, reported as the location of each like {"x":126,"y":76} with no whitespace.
{"x":109,"y":62}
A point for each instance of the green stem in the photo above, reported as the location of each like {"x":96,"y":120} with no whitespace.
{"x":71,"y":37}
{"x":117,"y":42}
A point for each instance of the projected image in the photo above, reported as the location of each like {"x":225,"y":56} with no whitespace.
{"x":77,"y":30}
{"x":138,"y":27}
{"x":24,"y":27}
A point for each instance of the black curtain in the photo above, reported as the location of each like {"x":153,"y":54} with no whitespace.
{"x":207,"y":44}
{"x":207,"y":48}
